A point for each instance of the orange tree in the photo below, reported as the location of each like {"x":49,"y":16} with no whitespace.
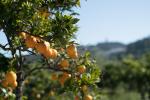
{"x":43,"y":28}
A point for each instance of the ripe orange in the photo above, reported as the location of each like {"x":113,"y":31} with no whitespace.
{"x":42,"y":47}
{"x":48,"y":53}
{"x":23,"y":35}
{"x":38,"y":39}
{"x":81,"y":69}
{"x":88,"y":97}
{"x":72,"y":51}
{"x":4,"y":83}
{"x":75,"y":55}
{"x":54,"y":53}
{"x":65,"y":76}
{"x":11,"y":77}
{"x":64,"y":63}
{"x":31,"y":41}
{"x":14,"y":85}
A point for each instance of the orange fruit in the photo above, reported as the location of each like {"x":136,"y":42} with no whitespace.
{"x":65,"y":76}
{"x":23,"y":35}
{"x":11,"y":77}
{"x":4,"y":83}
{"x":42,"y":47}
{"x":14,"y":84}
{"x":31,"y":41}
{"x":72,"y":51}
{"x":81,"y":69}
{"x":54,"y":76}
{"x":64,"y":63}
{"x":54,"y":53}
{"x":48,"y":53}
{"x":38,"y":39}
{"x":88,"y":97}
{"x":75,"y":55}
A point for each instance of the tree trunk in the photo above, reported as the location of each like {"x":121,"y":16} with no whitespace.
{"x":19,"y":89}
{"x":20,"y":78}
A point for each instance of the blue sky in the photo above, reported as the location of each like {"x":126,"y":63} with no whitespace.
{"x":113,"y":20}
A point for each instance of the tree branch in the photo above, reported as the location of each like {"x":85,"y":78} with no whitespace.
{"x":4,"y":47}
{"x":55,"y":68}
{"x":32,"y":53}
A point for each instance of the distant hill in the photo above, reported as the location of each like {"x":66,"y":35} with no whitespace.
{"x":116,"y":49}
{"x":139,"y":47}
{"x":110,"y":45}
{"x":105,"y":49}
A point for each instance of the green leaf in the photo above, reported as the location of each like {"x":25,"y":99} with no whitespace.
{"x":75,"y":20}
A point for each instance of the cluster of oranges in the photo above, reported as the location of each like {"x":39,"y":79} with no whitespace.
{"x":64,"y":64}
{"x":41,"y":46}
{"x":71,"y":51}
{"x":64,"y":77}
{"x":10,"y":80}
